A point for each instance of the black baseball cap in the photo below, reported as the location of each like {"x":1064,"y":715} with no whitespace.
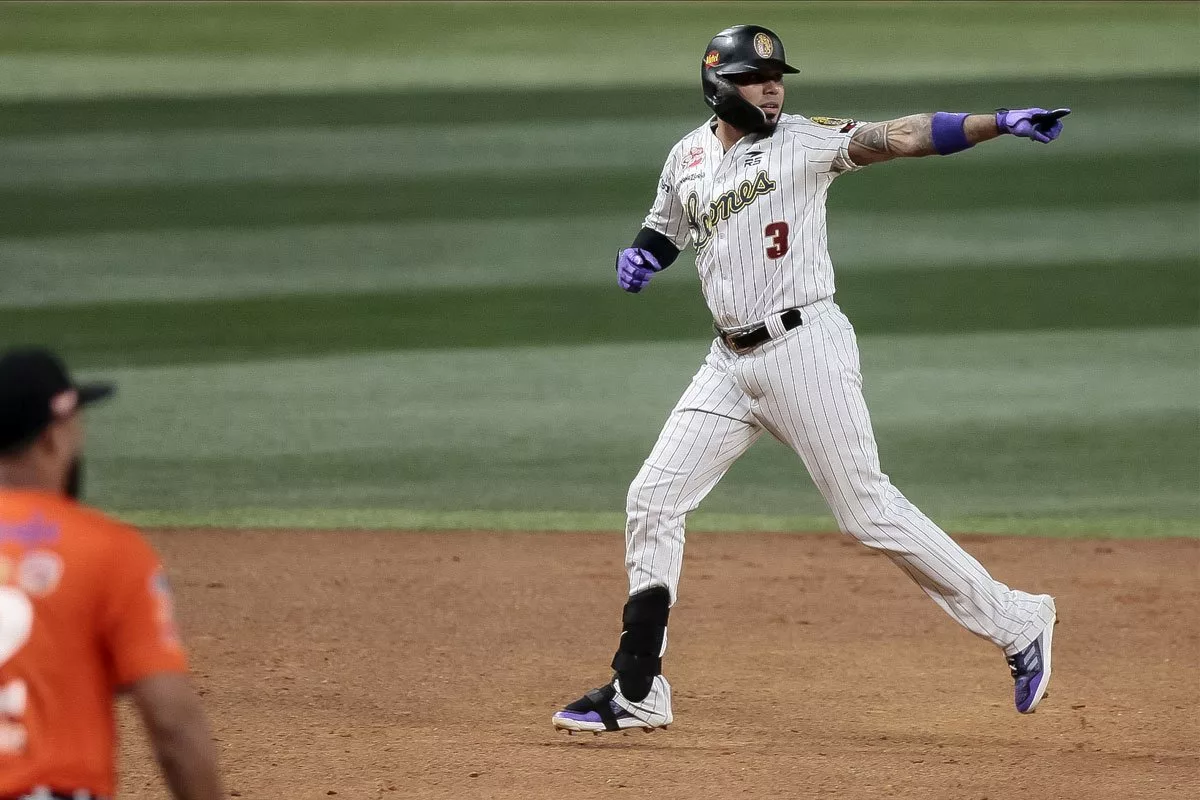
{"x":35,"y":389}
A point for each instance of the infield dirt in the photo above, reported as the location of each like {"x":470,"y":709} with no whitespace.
{"x":427,"y":665}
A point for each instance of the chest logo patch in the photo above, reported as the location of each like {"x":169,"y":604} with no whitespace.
{"x":725,"y":206}
{"x":693,"y":157}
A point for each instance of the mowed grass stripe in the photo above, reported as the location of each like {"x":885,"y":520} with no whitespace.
{"x":1032,"y":180}
{"x":420,"y":151}
{"x":1127,"y":235}
{"x":1133,"y":465}
{"x":527,"y":400}
{"x":573,"y":29}
{"x":339,"y":154}
{"x":361,"y":257}
{"x":366,"y":257}
{"x":910,"y":300}
{"x":1137,"y":462}
{"x":536,"y":428}
{"x":1169,"y":94}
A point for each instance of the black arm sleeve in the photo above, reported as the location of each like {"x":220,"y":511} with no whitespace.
{"x":659,"y":246}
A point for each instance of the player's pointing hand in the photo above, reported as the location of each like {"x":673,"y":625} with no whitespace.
{"x":635,"y":266}
{"x":1032,"y":123}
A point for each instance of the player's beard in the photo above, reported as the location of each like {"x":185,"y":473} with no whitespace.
{"x":74,"y":483}
{"x":769,"y":123}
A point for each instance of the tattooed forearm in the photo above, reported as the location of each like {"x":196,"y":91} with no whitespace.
{"x":897,"y":138}
{"x":909,"y":137}
{"x":872,"y":137}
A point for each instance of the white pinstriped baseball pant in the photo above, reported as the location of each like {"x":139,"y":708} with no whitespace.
{"x":805,"y":388}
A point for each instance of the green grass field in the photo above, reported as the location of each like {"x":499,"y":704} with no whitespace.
{"x":352,"y":264}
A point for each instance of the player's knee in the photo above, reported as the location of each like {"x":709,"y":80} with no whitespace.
{"x":643,"y":636}
{"x":865,"y":528}
{"x":648,"y":492}
{"x":875,"y":526}
{"x":637,"y":499}
{"x":869,"y":506}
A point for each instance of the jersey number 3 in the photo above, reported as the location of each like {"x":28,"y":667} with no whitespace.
{"x":777,"y":233}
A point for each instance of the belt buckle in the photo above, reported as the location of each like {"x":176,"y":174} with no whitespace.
{"x":728,"y":338}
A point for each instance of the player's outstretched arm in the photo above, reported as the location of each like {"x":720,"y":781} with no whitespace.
{"x":180,"y":735}
{"x":943,"y":133}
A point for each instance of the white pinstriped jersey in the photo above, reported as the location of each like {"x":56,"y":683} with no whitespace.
{"x":755,"y":214}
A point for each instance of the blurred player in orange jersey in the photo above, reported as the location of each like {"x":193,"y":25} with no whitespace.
{"x":85,"y":613}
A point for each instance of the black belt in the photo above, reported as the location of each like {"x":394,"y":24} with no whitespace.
{"x":745,"y":340}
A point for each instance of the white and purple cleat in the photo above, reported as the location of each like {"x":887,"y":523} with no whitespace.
{"x":1030,"y":670}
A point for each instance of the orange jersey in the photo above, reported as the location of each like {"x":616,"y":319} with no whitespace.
{"x":84,"y":611}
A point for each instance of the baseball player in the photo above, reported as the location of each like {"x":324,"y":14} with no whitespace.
{"x":747,"y":189}
{"x":85,"y":613}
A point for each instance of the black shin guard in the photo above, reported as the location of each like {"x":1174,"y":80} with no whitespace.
{"x":639,"y":658}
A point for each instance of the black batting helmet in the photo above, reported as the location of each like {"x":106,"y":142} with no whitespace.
{"x":734,"y":51}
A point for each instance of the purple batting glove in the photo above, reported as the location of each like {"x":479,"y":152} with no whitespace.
{"x":1032,"y":123}
{"x":634,"y":268}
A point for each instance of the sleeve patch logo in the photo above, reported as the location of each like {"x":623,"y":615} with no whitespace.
{"x":693,"y":157}
{"x":712,"y":59}
{"x":39,"y":572}
{"x":844,"y":125}
{"x":763,"y":45}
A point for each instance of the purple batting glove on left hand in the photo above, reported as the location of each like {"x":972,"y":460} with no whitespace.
{"x":1032,"y":123}
{"x":634,"y":268}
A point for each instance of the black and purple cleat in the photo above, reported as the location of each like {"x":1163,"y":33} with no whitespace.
{"x":596,"y":712}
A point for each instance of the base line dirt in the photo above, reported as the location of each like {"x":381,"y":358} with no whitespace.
{"x":364,"y":665}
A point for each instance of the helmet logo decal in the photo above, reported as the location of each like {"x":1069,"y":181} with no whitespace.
{"x":763,"y":45}
{"x":712,"y":59}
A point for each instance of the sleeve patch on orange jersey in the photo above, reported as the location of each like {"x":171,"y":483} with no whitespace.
{"x":39,"y":572}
